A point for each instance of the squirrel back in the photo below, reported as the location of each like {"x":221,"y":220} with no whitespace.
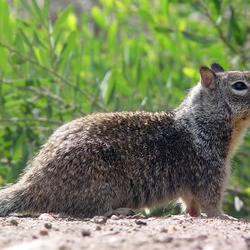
{"x":106,"y":161}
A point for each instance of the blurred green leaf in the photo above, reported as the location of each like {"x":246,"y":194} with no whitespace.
{"x":62,"y":18}
{"x":163,"y":29}
{"x":16,"y":59}
{"x":247,"y":191}
{"x":5,"y":27}
{"x":107,"y":87}
{"x":37,"y":40}
{"x":188,"y":35}
{"x":112,"y":34}
{"x":25,"y":39}
{"x":145,"y":14}
{"x":197,"y":38}
{"x":217,"y":5}
{"x":4,"y":59}
{"x":18,"y":142}
{"x":39,"y":12}
{"x":26,"y":5}
{"x":68,"y":48}
{"x":98,"y":16}
{"x":234,"y":29}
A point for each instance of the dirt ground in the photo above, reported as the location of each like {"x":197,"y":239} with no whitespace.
{"x":173,"y":232}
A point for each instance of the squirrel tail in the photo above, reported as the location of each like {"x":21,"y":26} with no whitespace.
{"x":13,"y":198}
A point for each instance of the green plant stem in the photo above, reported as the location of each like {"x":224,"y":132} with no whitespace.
{"x":39,"y":119}
{"x":33,"y":89}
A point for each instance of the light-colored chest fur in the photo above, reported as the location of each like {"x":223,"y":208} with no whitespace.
{"x":239,"y":127}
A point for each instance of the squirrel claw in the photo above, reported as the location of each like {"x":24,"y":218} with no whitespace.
{"x":226,"y":217}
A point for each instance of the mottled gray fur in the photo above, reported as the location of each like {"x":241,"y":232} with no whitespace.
{"x":106,"y":161}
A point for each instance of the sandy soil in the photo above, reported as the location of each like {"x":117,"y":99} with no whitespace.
{"x":174,"y":232}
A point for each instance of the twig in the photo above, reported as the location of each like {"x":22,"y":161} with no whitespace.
{"x":33,"y":89}
{"x":16,"y":120}
{"x":236,"y":192}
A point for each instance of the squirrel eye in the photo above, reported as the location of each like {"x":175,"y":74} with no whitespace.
{"x":239,"y":86}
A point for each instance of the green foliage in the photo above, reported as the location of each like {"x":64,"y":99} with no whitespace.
{"x":122,"y":55}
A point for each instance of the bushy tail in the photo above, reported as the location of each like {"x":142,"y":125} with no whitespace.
{"x":13,"y":198}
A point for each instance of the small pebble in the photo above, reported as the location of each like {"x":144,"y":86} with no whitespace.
{"x":168,"y":216}
{"x":48,"y":225}
{"x":13,"y":222}
{"x":114,"y":217}
{"x":63,"y":247}
{"x":202,"y":237}
{"x":46,"y":216}
{"x":86,"y":219}
{"x":69,"y":218}
{"x":180,"y":217}
{"x":99,"y":219}
{"x":164,"y":240}
{"x":163,"y":230}
{"x":140,"y":222}
{"x":150,"y":218}
{"x":85,"y":232}
{"x":115,"y":241}
{"x":138,"y":216}
{"x":43,"y":232}
{"x":56,"y":228}
{"x":247,"y":238}
{"x":98,"y":228}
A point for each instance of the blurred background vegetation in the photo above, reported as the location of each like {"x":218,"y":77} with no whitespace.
{"x":60,"y":60}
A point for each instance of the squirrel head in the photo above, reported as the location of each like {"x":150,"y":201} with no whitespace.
{"x":229,"y":87}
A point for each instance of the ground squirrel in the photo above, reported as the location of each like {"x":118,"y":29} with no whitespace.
{"x":106,"y":161}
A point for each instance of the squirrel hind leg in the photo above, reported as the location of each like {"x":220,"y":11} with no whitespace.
{"x":191,"y":206}
{"x":193,"y":211}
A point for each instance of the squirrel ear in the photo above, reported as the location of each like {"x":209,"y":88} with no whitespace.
{"x":207,"y":76}
{"x":216,"y":67}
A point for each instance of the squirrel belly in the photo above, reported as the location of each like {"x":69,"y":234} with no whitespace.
{"x":106,"y":161}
